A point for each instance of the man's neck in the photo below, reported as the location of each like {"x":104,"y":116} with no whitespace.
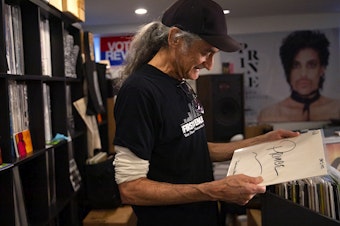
{"x":163,"y":62}
{"x":307,"y":100}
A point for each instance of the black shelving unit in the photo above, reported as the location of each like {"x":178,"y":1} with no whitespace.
{"x":48,"y":195}
{"x":279,"y":211}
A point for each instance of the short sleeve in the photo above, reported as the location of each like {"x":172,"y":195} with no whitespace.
{"x":135,"y":120}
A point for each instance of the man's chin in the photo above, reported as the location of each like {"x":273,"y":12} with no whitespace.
{"x":304,"y":92}
{"x":194,"y":75}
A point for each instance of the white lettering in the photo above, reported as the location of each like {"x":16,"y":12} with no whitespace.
{"x":115,"y":55}
{"x":118,"y":46}
{"x":190,"y":127}
{"x":111,"y":46}
{"x":109,"y":55}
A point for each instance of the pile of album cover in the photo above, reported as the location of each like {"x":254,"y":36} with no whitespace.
{"x":320,"y":194}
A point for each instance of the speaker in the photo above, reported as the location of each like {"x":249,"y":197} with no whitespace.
{"x":222,"y":97}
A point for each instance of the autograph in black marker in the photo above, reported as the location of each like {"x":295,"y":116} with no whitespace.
{"x":276,"y":152}
{"x":283,"y":147}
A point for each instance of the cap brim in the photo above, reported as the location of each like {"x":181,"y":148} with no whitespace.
{"x":223,"y":43}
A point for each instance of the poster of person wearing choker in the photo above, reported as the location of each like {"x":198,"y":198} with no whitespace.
{"x":304,"y":56}
{"x":289,"y":76}
{"x":333,"y":154}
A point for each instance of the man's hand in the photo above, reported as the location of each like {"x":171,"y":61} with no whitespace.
{"x":239,"y":189}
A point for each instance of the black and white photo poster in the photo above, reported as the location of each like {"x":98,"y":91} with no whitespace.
{"x":267,"y":79}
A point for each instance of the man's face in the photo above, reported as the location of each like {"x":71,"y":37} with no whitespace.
{"x":189,"y":60}
{"x":306,"y":72}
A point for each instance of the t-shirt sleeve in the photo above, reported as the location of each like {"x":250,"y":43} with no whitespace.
{"x":135,"y":121}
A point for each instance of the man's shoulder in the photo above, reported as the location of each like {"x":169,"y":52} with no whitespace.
{"x":273,"y":112}
{"x":327,"y":101}
{"x":278,"y":105}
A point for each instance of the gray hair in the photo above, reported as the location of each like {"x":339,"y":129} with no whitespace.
{"x":147,"y":42}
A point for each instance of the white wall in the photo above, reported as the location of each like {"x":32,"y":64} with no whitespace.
{"x":250,"y":26}
{"x":246,"y":25}
{"x":283,"y":23}
{"x":242,"y":26}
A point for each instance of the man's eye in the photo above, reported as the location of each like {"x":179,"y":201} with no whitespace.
{"x":312,"y":64}
{"x":295,"y":65}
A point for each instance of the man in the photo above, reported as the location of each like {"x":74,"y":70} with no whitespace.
{"x":163,"y":161}
{"x":304,"y":55}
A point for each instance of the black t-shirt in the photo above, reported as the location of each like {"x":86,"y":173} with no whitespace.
{"x":156,"y":120}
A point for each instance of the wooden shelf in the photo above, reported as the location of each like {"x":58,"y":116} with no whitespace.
{"x":48,"y":197}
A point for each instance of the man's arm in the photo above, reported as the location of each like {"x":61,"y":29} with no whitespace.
{"x":237,"y":189}
{"x":224,"y":151}
{"x":136,"y":189}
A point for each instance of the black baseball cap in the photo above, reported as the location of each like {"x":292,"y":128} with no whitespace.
{"x":204,"y":18}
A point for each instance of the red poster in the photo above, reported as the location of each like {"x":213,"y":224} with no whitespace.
{"x":114,"y":49}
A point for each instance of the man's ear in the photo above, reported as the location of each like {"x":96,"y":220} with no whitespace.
{"x":323,"y":70}
{"x":173,"y":38}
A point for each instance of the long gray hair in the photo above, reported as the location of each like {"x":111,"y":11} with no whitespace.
{"x":147,"y":42}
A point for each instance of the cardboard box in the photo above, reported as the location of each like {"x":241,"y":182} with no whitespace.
{"x":81,"y":10}
{"x":58,"y":4}
{"x":75,"y":8}
{"x":122,"y":216}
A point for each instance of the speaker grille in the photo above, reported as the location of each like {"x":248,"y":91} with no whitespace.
{"x":228,"y":112}
{"x":222,"y":97}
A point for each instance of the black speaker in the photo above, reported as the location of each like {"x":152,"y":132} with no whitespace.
{"x":222,"y":97}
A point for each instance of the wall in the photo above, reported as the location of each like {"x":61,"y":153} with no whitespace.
{"x":247,"y":25}
{"x":252,"y":25}
{"x":242,"y":26}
